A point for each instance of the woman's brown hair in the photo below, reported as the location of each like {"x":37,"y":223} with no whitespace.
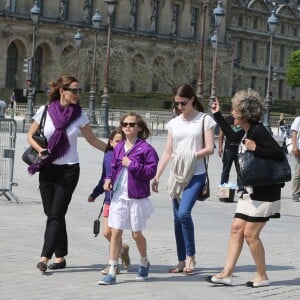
{"x":63,"y":82}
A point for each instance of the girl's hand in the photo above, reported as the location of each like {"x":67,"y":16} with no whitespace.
{"x":107,"y":186}
{"x":154,"y":185}
{"x":215,"y":106}
{"x":91,"y":199}
{"x":126,"y":161}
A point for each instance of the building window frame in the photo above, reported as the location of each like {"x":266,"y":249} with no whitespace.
{"x":254,"y":53}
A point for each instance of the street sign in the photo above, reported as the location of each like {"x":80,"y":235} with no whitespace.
{"x":28,"y":66}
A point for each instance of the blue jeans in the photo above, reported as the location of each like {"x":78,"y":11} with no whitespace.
{"x":183,"y":222}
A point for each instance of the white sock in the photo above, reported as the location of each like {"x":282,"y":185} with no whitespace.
{"x":144,"y":261}
{"x":112,"y":267}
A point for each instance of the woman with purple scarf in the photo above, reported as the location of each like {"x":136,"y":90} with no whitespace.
{"x":59,"y":165}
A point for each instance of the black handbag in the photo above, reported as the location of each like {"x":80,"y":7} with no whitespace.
{"x":30,"y":155}
{"x":258,"y":171}
{"x":205,"y":191}
{"x":96,"y":225}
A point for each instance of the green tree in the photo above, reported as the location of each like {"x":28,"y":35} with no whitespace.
{"x":293,"y":71}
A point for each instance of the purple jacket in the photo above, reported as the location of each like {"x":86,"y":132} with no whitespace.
{"x":106,"y":166}
{"x":141,"y":170}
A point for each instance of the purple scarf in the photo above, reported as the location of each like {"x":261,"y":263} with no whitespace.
{"x":58,"y":143}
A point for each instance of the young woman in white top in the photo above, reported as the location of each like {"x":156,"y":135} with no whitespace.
{"x":185,"y":134}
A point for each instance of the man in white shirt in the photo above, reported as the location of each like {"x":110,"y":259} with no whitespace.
{"x":295,"y":129}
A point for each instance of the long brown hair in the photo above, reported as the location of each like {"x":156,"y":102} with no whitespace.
{"x":186,"y":91}
{"x":113,"y":133}
{"x":144,"y":133}
{"x":63,"y":82}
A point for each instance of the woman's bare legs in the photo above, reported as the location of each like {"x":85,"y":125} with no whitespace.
{"x":234,"y":249}
{"x":252,"y":232}
{"x":249,"y":231}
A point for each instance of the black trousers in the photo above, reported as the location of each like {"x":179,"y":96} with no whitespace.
{"x":230,"y":156}
{"x":57,"y":184}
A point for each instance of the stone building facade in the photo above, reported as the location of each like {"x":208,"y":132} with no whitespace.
{"x":155,"y":44}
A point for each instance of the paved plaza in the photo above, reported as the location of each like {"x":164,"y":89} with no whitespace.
{"x":22,"y":227}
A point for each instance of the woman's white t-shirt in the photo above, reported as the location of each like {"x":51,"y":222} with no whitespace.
{"x":187,"y":136}
{"x":71,"y":157}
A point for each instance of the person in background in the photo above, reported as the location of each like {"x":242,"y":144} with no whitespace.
{"x":13,"y":105}
{"x":295,"y":129}
{"x":134,"y":164}
{"x":284,"y":129}
{"x":2,"y":109}
{"x":185,"y":143}
{"x":114,"y":138}
{"x":260,"y":203}
{"x":59,"y":165}
{"x":230,"y":154}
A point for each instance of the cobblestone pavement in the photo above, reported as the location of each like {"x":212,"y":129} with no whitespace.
{"x":22,"y":226}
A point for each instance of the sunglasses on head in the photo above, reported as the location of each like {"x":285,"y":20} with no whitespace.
{"x":75,"y":91}
{"x":182,"y":103}
{"x":125,"y":124}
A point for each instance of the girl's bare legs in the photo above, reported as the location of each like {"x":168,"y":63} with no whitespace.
{"x":234,"y":249}
{"x":252,"y":232}
{"x":106,"y":229}
{"x":141,"y":243}
{"x":114,"y":250}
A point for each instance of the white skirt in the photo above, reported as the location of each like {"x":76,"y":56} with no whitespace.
{"x":129,"y":214}
{"x":257,"y":211}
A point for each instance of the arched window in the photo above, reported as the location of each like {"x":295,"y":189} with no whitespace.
{"x":37,"y":67}
{"x":11,"y":66}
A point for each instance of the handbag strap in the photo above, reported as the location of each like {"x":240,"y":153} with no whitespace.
{"x":203,"y":143}
{"x":100,"y":213}
{"x":42,"y":122}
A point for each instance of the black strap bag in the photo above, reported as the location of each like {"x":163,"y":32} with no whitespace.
{"x":96,"y":227}
{"x":259,"y":171}
{"x":205,"y":191}
{"x":30,"y":155}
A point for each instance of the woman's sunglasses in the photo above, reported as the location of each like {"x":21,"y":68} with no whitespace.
{"x":125,"y":124}
{"x":182,"y":103}
{"x":75,"y":91}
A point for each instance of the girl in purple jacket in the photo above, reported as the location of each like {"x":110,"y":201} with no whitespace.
{"x":114,"y":138}
{"x":134,"y":164}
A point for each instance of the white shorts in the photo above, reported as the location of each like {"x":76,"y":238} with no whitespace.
{"x":129,"y":214}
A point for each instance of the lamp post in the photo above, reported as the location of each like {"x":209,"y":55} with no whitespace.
{"x":104,"y":126}
{"x":199,"y":91}
{"x":273,"y":21}
{"x":96,"y":20}
{"x":219,"y":14}
{"x":35,"y":14}
{"x":77,"y":39}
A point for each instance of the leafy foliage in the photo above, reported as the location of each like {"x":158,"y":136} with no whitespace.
{"x":293,"y":71}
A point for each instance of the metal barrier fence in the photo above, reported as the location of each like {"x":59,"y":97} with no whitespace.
{"x":8,"y":130}
{"x":156,"y":120}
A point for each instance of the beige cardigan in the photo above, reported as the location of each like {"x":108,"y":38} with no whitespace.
{"x":182,"y":171}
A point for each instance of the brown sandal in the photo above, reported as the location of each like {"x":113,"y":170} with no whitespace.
{"x":178,"y":268}
{"x":190,"y":265}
